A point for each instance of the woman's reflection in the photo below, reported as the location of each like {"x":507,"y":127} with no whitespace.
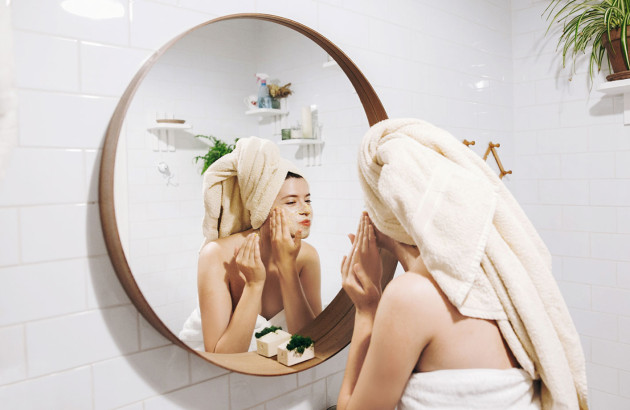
{"x":254,"y":270}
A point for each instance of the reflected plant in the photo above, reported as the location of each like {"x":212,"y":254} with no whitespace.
{"x":218,"y":148}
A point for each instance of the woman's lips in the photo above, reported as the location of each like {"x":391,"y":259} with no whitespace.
{"x":305,"y":222}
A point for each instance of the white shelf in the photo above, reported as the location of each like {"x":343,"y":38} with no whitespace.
{"x":301,"y":141}
{"x":619,"y":87}
{"x":266,"y":112}
{"x":171,"y":126}
{"x":331,"y":63}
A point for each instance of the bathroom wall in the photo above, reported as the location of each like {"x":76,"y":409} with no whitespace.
{"x":572,"y":175}
{"x":69,"y":337}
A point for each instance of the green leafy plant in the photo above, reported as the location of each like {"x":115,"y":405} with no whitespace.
{"x":267,"y":330}
{"x":299,"y":343}
{"x":217,"y":149}
{"x":585,"y":23}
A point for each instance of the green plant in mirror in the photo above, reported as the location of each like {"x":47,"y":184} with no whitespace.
{"x":299,"y":343}
{"x":218,"y":148}
{"x":585,"y":23}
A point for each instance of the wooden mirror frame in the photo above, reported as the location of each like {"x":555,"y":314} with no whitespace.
{"x":332,"y":329}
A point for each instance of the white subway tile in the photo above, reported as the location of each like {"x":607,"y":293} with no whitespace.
{"x":31,"y":292}
{"x":12,"y":354}
{"x":589,"y":218}
{"x":564,"y":192}
{"x":623,"y":275}
{"x":212,"y":393}
{"x":333,"y":365}
{"x":80,"y":339}
{"x":59,"y":56}
{"x":64,"y":235}
{"x":624,"y":329}
{"x":566,"y":243}
{"x":624,"y":383}
{"x":28,"y":182}
{"x":602,"y":325}
{"x":607,"y":137}
{"x":612,"y":354}
{"x":68,"y":390}
{"x":333,"y":385}
{"x":576,"y":295}
{"x":588,"y":166}
{"x":219,"y":8}
{"x":334,"y":25}
{"x":201,"y":369}
{"x":50,"y":17}
{"x":610,"y":246}
{"x":525,"y":190}
{"x":622,"y":164}
{"x":623,"y":220}
{"x":247,"y":391}
{"x":589,"y":271}
{"x":312,"y":396}
{"x":606,"y":401}
{"x":611,"y":300}
{"x":539,"y":166}
{"x":107,"y":70}
{"x":563,"y":140}
{"x":603,"y":378}
{"x":103,"y":287}
{"x":544,"y":216}
{"x":153,"y":24}
{"x":304,"y":11}
{"x":139,"y":376}
{"x":610,"y":192}
{"x":9,"y":237}
{"x":52,"y":120}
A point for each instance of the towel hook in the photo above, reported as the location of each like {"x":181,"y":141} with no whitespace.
{"x":468,"y":143}
{"x":491,"y":148}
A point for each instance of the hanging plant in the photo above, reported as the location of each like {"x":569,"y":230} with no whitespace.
{"x":218,"y":148}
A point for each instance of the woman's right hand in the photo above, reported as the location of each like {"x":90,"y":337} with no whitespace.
{"x":361,"y":270}
{"x":248,"y":261}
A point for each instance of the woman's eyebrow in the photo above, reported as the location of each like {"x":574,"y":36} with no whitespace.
{"x":294,"y":196}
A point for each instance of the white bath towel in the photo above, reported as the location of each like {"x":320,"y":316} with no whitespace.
{"x":424,"y":187}
{"x":240,"y":187}
{"x":467,"y":389}
{"x":192,"y":334}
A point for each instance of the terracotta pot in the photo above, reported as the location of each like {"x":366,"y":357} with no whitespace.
{"x":615,"y":55}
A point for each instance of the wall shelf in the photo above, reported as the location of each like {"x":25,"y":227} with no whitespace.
{"x":266,"y":112}
{"x":619,"y":87}
{"x":170,"y":126}
{"x":301,"y":141}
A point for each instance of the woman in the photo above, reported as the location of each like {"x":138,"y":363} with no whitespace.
{"x":261,"y":271}
{"x":253,"y":270}
{"x":477,"y":320}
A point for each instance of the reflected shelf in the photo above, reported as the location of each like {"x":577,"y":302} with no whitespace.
{"x":170,"y":126}
{"x":266,"y":112}
{"x":302,"y":141}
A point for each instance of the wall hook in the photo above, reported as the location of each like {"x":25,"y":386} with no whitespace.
{"x":491,"y":148}
{"x":468,"y":143}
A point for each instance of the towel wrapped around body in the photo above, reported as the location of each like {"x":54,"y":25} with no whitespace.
{"x":240,"y":187}
{"x":424,"y":187}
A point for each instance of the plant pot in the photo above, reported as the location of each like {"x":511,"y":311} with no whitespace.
{"x":615,"y":55}
{"x":275,"y":103}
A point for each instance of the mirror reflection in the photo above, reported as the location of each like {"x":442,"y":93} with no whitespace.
{"x":208,"y":80}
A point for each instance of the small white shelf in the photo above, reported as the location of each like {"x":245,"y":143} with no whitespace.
{"x":301,"y":141}
{"x":170,"y":126}
{"x":619,"y":87}
{"x":331,"y":63}
{"x":266,"y":112}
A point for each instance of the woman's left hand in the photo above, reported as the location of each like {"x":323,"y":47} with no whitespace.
{"x":284,"y":248}
{"x":361,"y":270}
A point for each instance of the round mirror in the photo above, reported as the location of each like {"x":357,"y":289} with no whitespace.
{"x":204,"y":82}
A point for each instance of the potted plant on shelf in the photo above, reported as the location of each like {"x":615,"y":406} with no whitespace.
{"x":598,"y":27}
{"x":217,"y":149}
{"x":277,"y":93}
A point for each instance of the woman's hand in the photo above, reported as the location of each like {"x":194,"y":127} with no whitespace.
{"x":361,"y":270}
{"x":248,"y":261}
{"x":284,"y":248}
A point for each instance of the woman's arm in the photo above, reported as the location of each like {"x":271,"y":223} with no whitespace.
{"x":285,"y":249}
{"x":224,"y":331}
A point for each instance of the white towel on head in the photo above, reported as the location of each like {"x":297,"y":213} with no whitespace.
{"x":424,"y":187}
{"x":240,"y":187}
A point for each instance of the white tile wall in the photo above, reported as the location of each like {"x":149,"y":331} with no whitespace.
{"x":70,"y":72}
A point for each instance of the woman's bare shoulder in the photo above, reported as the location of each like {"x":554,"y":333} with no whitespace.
{"x":413,"y":292}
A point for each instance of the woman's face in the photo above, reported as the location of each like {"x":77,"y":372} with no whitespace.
{"x":295,"y":199}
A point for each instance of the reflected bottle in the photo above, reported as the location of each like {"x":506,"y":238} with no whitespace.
{"x":264,"y":100}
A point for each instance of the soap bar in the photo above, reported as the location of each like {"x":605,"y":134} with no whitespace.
{"x":291,"y":357}
{"x":267,"y":345}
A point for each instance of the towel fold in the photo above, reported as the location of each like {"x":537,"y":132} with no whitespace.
{"x":484,"y":389}
{"x":240,"y":187}
{"x":424,"y":187}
